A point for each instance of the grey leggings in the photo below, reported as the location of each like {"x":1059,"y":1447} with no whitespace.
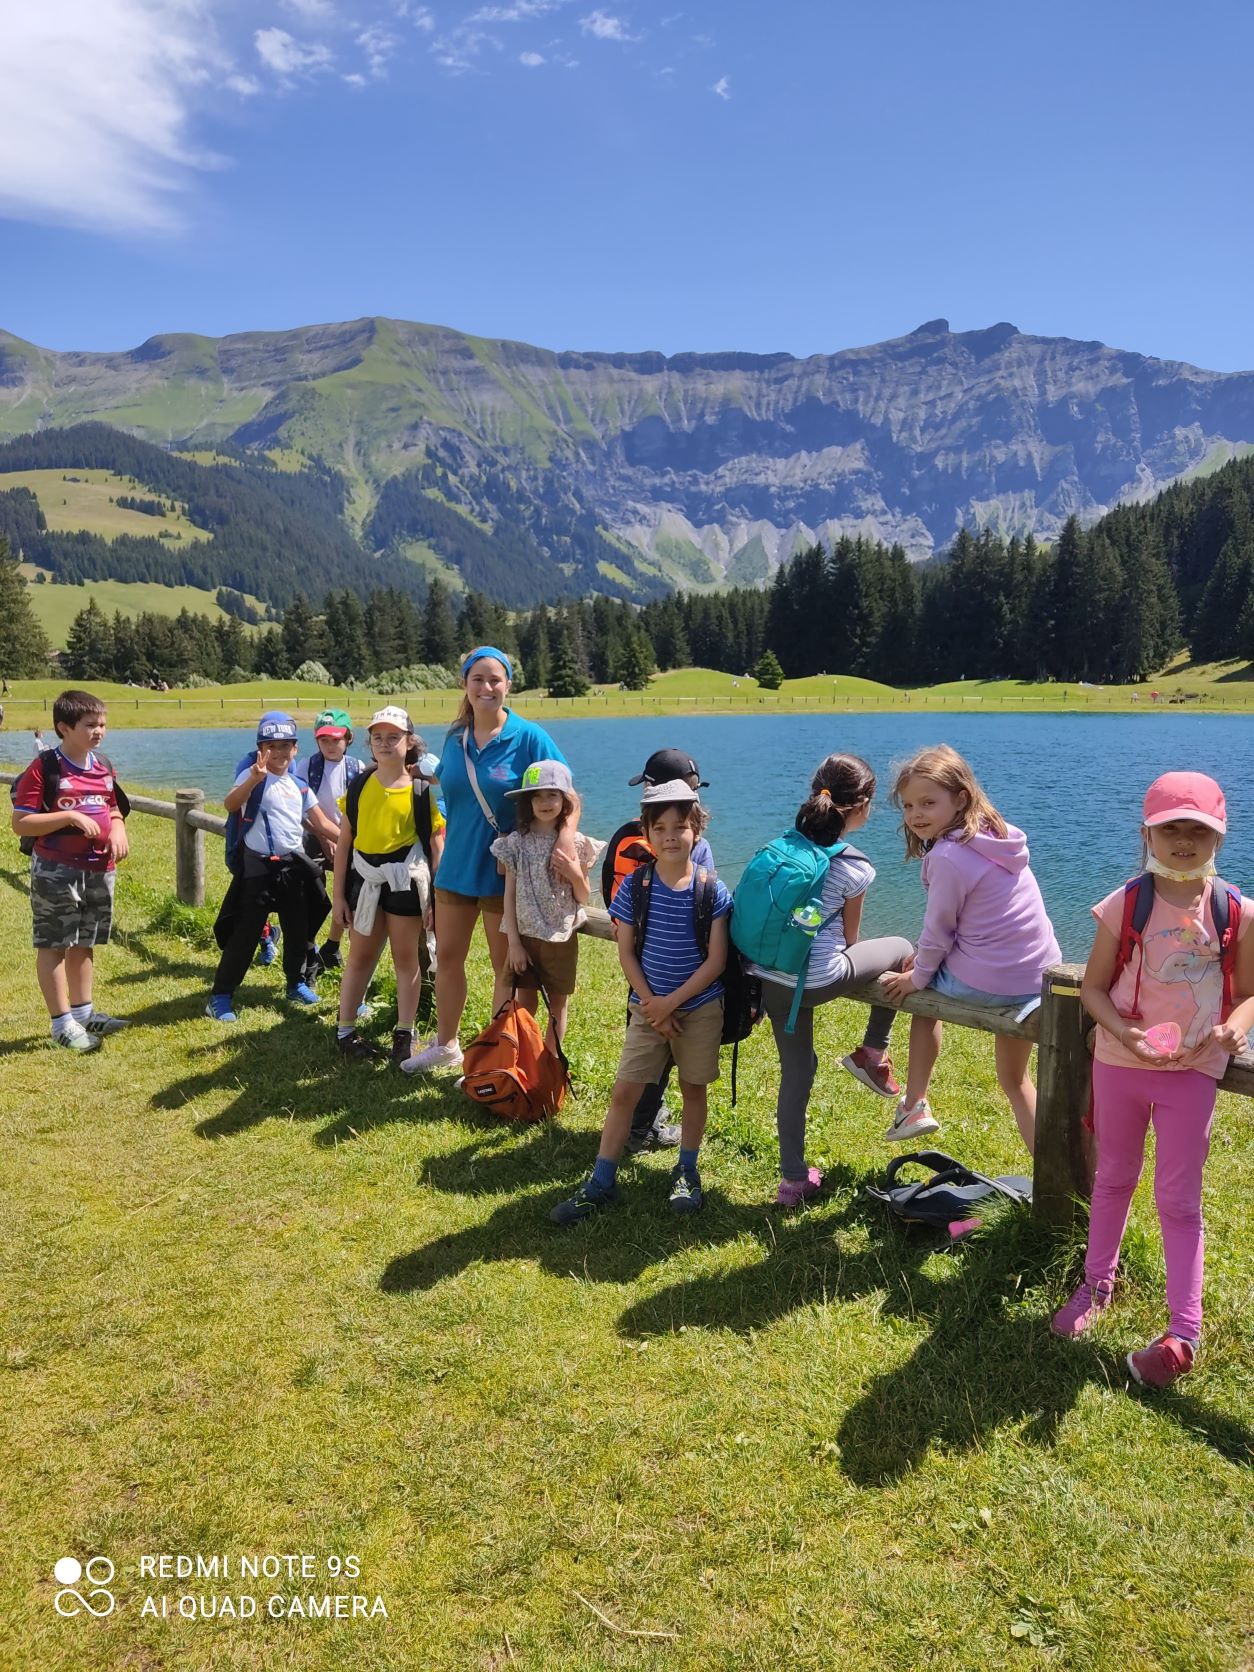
{"x":798,"y":1063}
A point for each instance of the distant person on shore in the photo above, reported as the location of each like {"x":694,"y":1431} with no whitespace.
{"x":1172,"y":950}
{"x":825,"y":942}
{"x":390,"y":844}
{"x":487,"y":750}
{"x":69,"y":814}
{"x":986,"y":937}
{"x":545,"y":893}
{"x":37,"y":741}
{"x":328,"y":772}
{"x":652,"y":1126}
{"x":273,"y":809}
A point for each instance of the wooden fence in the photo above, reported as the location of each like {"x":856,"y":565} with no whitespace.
{"x":1063,"y":1162}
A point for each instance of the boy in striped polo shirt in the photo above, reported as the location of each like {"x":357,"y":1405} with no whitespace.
{"x":676,"y":1003}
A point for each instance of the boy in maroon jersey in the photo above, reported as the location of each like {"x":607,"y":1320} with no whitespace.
{"x":67,"y":803}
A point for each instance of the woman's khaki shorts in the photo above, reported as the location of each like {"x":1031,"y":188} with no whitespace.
{"x":646,"y":1052}
{"x":486,"y":902}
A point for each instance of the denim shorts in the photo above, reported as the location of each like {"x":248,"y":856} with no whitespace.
{"x":950,"y":987}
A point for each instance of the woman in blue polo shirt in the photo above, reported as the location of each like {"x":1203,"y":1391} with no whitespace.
{"x":487,"y":750}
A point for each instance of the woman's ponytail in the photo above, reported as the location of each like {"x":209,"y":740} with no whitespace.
{"x":841,"y":784}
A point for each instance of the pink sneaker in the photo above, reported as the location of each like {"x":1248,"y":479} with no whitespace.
{"x":1086,"y":1303}
{"x":875,"y":1076}
{"x":1162,"y":1362}
{"x":792,"y":1192}
{"x":913,"y":1122}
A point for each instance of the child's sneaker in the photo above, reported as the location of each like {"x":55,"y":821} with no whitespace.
{"x":357,"y":1049}
{"x":402,"y":1045}
{"x":686,"y":1194}
{"x":302,"y":993}
{"x":915,"y":1121}
{"x":1089,"y":1300}
{"x":268,"y":946}
{"x":876,"y":1076}
{"x":433,"y":1058}
{"x":792,"y":1192}
{"x":103,"y":1025}
{"x":75,"y":1037}
{"x":1162,"y":1362}
{"x":587,"y":1200}
{"x":221,"y":1007}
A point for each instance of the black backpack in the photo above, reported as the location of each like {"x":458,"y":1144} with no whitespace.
{"x":422,"y":808}
{"x":948,"y":1196}
{"x":742,"y":992}
{"x":50,"y":761}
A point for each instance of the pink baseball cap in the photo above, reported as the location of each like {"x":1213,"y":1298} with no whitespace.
{"x":1186,"y":795}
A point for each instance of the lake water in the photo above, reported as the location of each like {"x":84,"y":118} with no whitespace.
{"x":1074,"y":782}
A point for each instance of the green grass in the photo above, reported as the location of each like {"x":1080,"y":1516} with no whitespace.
{"x":56,"y":604}
{"x":86,"y":504}
{"x":260,"y":1301}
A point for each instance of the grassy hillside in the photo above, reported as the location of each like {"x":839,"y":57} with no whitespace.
{"x":86,"y":503}
{"x":56,"y":605}
{"x":260,"y":1300}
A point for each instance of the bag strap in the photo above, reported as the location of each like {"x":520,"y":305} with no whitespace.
{"x":50,"y":765}
{"x":794,"y":1009}
{"x":704,"y":894}
{"x":548,"y":1005}
{"x":422,"y":818}
{"x":120,"y":796}
{"x":474,"y":784}
{"x":948,"y":1171}
{"x":642,"y":893}
{"x":352,"y":800}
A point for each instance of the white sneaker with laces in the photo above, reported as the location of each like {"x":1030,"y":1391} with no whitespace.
{"x":433,"y":1058}
{"x":103,"y":1024}
{"x":912,"y":1121}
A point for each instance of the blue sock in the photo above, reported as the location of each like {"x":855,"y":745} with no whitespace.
{"x":688,"y":1160}
{"x":604,"y":1173}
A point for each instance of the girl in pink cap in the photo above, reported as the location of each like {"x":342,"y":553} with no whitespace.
{"x":1160,"y":993}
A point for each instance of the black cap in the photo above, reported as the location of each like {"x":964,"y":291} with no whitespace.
{"x":664,"y":765}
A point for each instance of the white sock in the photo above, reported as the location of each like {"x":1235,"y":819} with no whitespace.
{"x":62,"y":1024}
{"x":81,"y":1012}
{"x":343,"y":1032}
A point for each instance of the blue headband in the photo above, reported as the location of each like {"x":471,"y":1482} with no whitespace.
{"x":488,"y":650}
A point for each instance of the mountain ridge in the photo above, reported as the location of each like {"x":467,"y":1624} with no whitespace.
{"x":631,"y":471}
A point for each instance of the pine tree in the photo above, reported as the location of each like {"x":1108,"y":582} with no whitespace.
{"x":566,"y":676}
{"x":346,"y":654}
{"x":89,"y":646}
{"x":635,"y":663}
{"x":768,"y":673}
{"x":23,"y":645}
{"x":439,"y":635}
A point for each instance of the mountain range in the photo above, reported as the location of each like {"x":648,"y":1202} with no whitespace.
{"x":530,"y":473}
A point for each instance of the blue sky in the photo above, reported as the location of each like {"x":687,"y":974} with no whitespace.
{"x":805,"y":175}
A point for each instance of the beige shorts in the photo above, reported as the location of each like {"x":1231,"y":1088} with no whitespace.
{"x":646,"y":1052}
{"x":555,"y":963}
{"x":492,"y":904}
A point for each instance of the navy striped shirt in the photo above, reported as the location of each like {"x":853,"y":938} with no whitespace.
{"x":670,"y":953}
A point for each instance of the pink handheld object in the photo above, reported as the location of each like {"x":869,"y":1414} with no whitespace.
{"x":1163,"y":1037}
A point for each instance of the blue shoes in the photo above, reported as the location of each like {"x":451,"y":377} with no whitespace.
{"x":587,"y":1200}
{"x":686,"y":1194}
{"x":221,"y":1007}
{"x":302,"y":993}
{"x":268,"y":947}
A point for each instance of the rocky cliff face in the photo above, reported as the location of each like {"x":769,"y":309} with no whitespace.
{"x":702,"y":468}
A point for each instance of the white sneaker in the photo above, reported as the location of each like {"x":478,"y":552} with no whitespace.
{"x":99,"y":1022}
{"x":75,"y":1037}
{"x":433,"y":1058}
{"x":912,"y":1121}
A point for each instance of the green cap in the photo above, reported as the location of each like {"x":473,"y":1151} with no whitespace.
{"x":333,"y":720}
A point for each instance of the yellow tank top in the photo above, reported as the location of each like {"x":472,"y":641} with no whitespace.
{"x":385,"y":816}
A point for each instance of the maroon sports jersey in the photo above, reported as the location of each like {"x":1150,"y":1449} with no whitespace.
{"x":87,"y":789}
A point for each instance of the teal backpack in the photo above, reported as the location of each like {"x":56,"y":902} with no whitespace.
{"x":777,"y":907}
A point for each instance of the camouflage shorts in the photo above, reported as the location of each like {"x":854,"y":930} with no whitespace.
{"x":70,"y":907}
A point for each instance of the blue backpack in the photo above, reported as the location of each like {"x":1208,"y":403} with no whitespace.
{"x":241,"y":821}
{"x":777,"y":907}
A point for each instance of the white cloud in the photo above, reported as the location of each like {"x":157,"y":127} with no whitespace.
{"x":378,"y":44}
{"x":247,"y":86}
{"x":722,"y":87}
{"x":288,"y":57}
{"x":604,"y":27}
{"x":519,"y":11}
{"x":422,"y":17}
{"x":97,"y":107}
{"x":310,"y":11}
{"x":531,"y":59}
{"x":355,"y":81}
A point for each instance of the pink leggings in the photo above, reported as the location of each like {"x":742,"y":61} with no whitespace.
{"x":1181,"y":1104}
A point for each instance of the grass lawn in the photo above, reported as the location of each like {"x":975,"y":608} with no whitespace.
{"x":86,"y":503}
{"x":56,"y":605}
{"x":261,"y":1302}
{"x":1216,"y":687}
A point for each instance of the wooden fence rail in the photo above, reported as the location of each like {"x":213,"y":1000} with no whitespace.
{"x":1063,"y":1163}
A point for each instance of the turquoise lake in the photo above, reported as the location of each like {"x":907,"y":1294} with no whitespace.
{"x":1074,"y":782}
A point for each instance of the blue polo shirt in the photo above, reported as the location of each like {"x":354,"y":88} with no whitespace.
{"x":468,"y":866}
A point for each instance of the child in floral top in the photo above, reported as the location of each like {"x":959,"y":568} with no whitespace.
{"x":545,"y":892}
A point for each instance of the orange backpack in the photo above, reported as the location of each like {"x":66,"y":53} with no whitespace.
{"x":510,"y":1070}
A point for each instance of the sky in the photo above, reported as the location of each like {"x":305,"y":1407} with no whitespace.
{"x":762,"y":175}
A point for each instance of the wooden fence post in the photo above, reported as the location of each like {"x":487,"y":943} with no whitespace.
{"x":1062,"y":1165}
{"x":189,"y":848}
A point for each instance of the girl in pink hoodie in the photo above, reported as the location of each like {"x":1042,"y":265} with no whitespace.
{"x":986,"y":937}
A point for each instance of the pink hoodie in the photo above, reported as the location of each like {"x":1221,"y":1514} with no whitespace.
{"x":985,"y":919}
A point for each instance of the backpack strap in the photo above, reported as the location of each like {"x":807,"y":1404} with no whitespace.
{"x":1225,"y":908}
{"x":422,"y":820}
{"x":315,"y":767}
{"x":50,"y":774}
{"x":640,"y":898}
{"x":1138,"y":902}
{"x":119,"y":794}
{"x":704,"y":894}
{"x":352,"y":800}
